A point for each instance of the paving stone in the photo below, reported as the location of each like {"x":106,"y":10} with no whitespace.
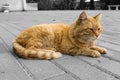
{"x":42,"y":69}
{"x":105,"y":64}
{"x":62,"y":77}
{"x":12,"y":24}
{"x":109,"y":39}
{"x":9,"y":28}
{"x":6,"y":36}
{"x":113,"y":55}
{"x":10,"y":69}
{"x":3,"y":48}
{"x":83,"y":70}
{"x":108,"y":45}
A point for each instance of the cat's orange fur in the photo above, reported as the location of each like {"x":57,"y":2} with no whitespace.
{"x":48,"y":41}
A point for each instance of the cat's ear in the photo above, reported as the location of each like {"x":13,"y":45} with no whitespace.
{"x":82,"y":17}
{"x":98,"y":16}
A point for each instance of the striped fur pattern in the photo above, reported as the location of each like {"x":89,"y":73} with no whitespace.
{"x":48,"y":41}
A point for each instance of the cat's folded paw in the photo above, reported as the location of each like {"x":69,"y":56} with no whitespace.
{"x":95,"y":54}
{"x":102,"y":50}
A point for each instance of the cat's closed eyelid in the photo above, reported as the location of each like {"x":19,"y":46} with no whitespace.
{"x":91,"y":28}
{"x":98,"y":28}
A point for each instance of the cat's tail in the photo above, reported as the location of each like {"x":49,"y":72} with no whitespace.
{"x":34,"y":53}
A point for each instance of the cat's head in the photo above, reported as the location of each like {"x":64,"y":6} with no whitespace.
{"x":86,"y":28}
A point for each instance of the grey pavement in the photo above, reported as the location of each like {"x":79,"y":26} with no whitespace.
{"x":106,"y":67}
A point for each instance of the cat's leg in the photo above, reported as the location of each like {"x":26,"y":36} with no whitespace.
{"x":85,"y":51}
{"x":92,"y":53}
{"x":100,"y":49}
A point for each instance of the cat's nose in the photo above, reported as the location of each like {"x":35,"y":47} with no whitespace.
{"x":96,"y":34}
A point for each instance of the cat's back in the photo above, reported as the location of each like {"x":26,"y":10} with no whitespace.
{"x":41,"y":30}
{"x":53,"y":27}
{"x":48,"y":28}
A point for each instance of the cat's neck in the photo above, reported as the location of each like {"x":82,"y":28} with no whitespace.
{"x":70,"y":34}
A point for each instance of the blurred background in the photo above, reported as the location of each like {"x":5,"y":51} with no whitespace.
{"x":18,"y":5}
{"x":77,"y":4}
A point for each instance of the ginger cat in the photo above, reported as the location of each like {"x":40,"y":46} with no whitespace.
{"x":48,"y":41}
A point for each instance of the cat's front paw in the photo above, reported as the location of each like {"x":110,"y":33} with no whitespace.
{"x":95,"y":54}
{"x":101,"y":50}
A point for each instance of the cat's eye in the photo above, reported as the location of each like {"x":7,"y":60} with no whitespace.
{"x":91,"y":29}
{"x":98,"y":28}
